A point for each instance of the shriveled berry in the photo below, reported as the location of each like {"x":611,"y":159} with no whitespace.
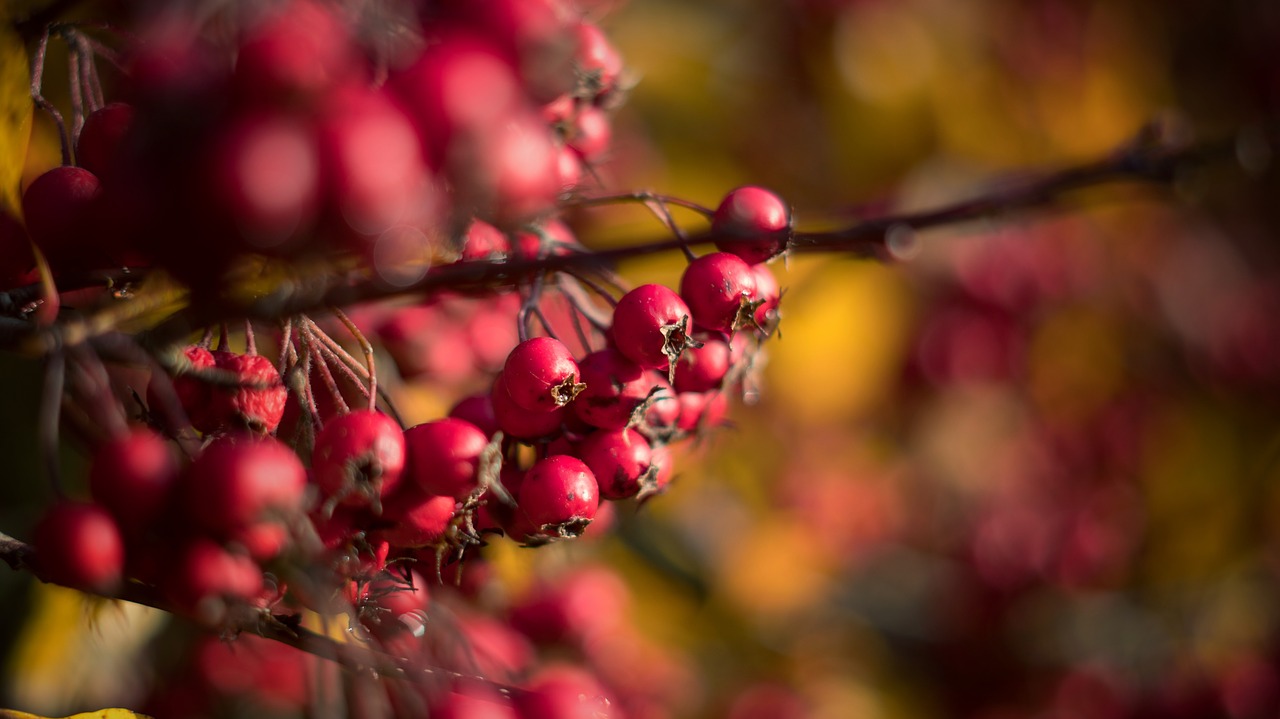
{"x":240,"y":480}
{"x":444,"y":456}
{"x":616,"y":388}
{"x":133,"y":476}
{"x":259,"y":403}
{"x":193,"y":394}
{"x":541,"y":375}
{"x":358,"y":459}
{"x":620,"y":461}
{"x":78,"y":545}
{"x":559,"y":496}
{"x":752,"y":223}
{"x":651,"y":326}
{"x":719,"y":289}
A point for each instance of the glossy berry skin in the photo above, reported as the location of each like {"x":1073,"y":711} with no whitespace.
{"x":559,"y":496}
{"x":768,"y":294}
{"x":616,"y":386}
{"x":78,"y":545}
{"x":55,"y":207}
{"x":619,"y":459}
{"x":520,"y":423}
{"x":650,"y":326}
{"x":358,"y":459}
{"x":259,"y":405}
{"x":703,"y":368}
{"x":133,"y":476}
{"x":240,"y":480}
{"x":444,"y":456}
{"x":719,"y":289}
{"x":752,"y":223}
{"x":541,"y":375}
{"x":478,"y":410}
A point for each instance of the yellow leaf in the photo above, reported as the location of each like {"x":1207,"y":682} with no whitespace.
{"x":15,"y":116}
{"x":99,"y":714}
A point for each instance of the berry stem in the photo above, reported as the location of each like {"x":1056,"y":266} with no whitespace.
{"x":367,"y":349}
{"x":77,"y":88}
{"x":37,"y":82}
{"x":250,"y":342}
{"x":55,"y":371}
{"x":316,"y":347}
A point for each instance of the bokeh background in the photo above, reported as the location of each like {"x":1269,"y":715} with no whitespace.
{"x":1029,"y":471}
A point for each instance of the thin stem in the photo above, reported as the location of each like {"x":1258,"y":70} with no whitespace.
{"x":76,"y":86}
{"x":640,"y":197}
{"x":286,"y":340}
{"x":37,"y":81}
{"x":323,"y":367}
{"x":367,"y":349}
{"x":50,"y":416}
{"x":250,"y":341}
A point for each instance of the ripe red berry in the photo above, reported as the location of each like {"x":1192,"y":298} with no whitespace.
{"x":16,"y":260}
{"x":259,"y":404}
{"x":591,"y":133}
{"x":483,"y":241}
{"x":616,"y":386}
{"x":596,"y":61}
{"x":478,"y":410}
{"x":203,"y":575}
{"x":767,"y":294}
{"x":55,"y":207}
{"x":619,"y":459}
{"x":102,"y":136}
{"x":479,"y":703}
{"x":241,"y":480}
{"x":358,"y":459}
{"x":752,"y":223}
{"x":573,"y":607}
{"x":78,"y":545}
{"x":651,"y":326}
{"x":300,"y":48}
{"x":703,"y":368}
{"x":559,"y":496}
{"x":444,"y":456}
{"x":520,"y":423}
{"x":419,"y":521}
{"x":561,"y":691}
{"x":719,"y":289}
{"x":193,"y":394}
{"x":133,"y":476}
{"x":541,"y":375}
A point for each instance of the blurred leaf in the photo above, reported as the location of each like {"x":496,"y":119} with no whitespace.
{"x":15,"y":114}
{"x":99,"y":714}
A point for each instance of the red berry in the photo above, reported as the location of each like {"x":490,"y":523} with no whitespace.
{"x":78,"y":545}
{"x":265,"y":175}
{"x":16,"y":260}
{"x":358,"y":458}
{"x":591,"y":133}
{"x":565,"y":692}
{"x":620,"y":461}
{"x":204,"y":571}
{"x":616,"y":386}
{"x":56,"y":206}
{"x":541,"y":375}
{"x":444,"y":456}
{"x":240,"y":480}
{"x":520,"y":423}
{"x":419,"y":521}
{"x":478,"y":704}
{"x":703,"y":368}
{"x":559,"y":496}
{"x":483,"y":241}
{"x":478,"y":410}
{"x":102,"y":136}
{"x":259,"y":404}
{"x":133,"y":476}
{"x":719,"y":289}
{"x":193,"y":394}
{"x":767,"y":294}
{"x":597,"y":61}
{"x":396,"y":603}
{"x":651,"y":326}
{"x":300,"y":48}
{"x":573,"y":607}
{"x":752,"y":223}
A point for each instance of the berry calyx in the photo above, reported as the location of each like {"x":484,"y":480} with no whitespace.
{"x":541,"y":375}
{"x":752,"y":223}
{"x":558,"y":497}
{"x":358,"y":459}
{"x":651,"y":327}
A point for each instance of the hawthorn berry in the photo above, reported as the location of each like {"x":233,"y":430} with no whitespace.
{"x":258,"y":404}
{"x":651,"y":326}
{"x":102,"y":138}
{"x":719,"y":289}
{"x":704,"y":368}
{"x":358,"y":459}
{"x":752,"y":223}
{"x":540,"y":374}
{"x":78,"y":545}
{"x":558,"y":497}
{"x":615,"y":388}
{"x":239,"y":480}
{"x":562,"y":691}
{"x":419,"y":521}
{"x":520,"y":423}
{"x":619,"y":459}
{"x":203,"y":575}
{"x":133,"y":476}
{"x":444,"y":456}
{"x":55,"y":207}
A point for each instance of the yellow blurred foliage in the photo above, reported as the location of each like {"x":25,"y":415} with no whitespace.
{"x":15,"y":114}
{"x":100,"y":714}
